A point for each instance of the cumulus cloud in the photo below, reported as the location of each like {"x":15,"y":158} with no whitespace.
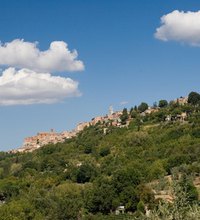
{"x":58,"y":57}
{"x":23,"y":87}
{"x":180,"y":26}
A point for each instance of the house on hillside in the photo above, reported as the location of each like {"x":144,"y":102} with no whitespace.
{"x":151,"y":110}
{"x":181,"y":100}
{"x":120,"y":210}
{"x":180,"y":117}
{"x":97,"y":119}
{"x":81,"y":126}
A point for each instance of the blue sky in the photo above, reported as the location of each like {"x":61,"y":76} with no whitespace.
{"x":123,"y":60}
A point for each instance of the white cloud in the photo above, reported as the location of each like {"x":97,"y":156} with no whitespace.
{"x":58,"y":57}
{"x":23,"y":87}
{"x":123,"y":103}
{"x":180,"y":26}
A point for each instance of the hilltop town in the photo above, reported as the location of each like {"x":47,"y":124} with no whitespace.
{"x":111,"y":119}
{"x":43,"y":138}
{"x":144,"y":152}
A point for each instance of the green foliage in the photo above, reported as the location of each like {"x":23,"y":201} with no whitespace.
{"x":194,"y":98}
{"x":163,"y":103}
{"x":65,"y":202}
{"x":143,"y":106}
{"x":124,"y":178}
{"x":196,"y":132}
{"x":156,"y":170}
{"x":124,"y":116}
{"x":85,"y":173}
{"x":181,"y":208}
{"x":134,"y":114}
{"x":88,"y":149}
{"x":104,"y":151}
{"x":100,"y":198}
{"x":145,"y":194}
{"x":128,"y":197}
{"x":19,"y":210}
{"x":141,"y":207}
{"x":186,"y":185}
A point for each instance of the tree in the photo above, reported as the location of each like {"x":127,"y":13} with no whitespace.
{"x":155,"y":105}
{"x":125,"y":177}
{"x":194,"y":98}
{"x":64,"y":202}
{"x":131,"y":110}
{"x":187,"y":185}
{"x":18,"y":210}
{"x":138,"y":122}
{"x":134,"y":114}
{"x":163,"y":103}
{"x":101,"y":197}
{"x":85,"y":173}
{"x":135,"y":108}
{"x":124,"y":116}
{"x":129,"y":198}
{"x":180,"y":208}
{"x":143,"y":106}
{"x":141,"y":206}
{"x":156,"y":170}
{"x":160,"y":115}
{"x":104,"y":151}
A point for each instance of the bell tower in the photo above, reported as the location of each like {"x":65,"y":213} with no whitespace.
{"x":111,"y":110}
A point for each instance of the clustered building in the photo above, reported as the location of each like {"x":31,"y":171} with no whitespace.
{"x":111,"y":119}
{"x":43,"y":138}
{"x":182,"y":100}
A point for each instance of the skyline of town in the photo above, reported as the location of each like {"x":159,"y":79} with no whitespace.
{"x":112,"y":118}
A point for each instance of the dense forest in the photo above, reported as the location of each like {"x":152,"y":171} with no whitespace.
{"x":97,"y":173}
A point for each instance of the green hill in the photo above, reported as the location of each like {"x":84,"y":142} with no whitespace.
{"x":91,"y":175}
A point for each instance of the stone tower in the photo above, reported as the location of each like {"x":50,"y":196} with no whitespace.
{"x":111,"y":110}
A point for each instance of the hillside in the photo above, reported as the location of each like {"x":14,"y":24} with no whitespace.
{"x":92,"y":175}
